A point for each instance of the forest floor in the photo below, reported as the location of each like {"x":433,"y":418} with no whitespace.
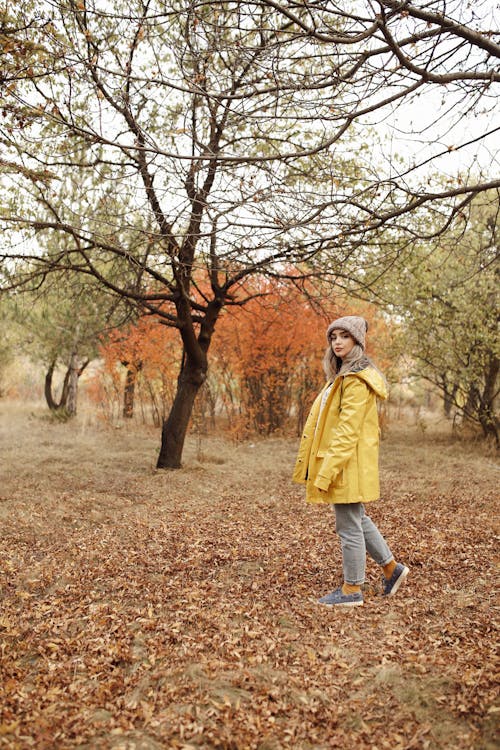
{"x":146,"y":609}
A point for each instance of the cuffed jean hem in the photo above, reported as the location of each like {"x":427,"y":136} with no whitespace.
{"x":386,"y":562}
{"x":358,"y":535}
{"x":354,"y":583}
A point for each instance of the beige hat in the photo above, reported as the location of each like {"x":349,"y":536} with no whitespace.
{"x":353,"y":324}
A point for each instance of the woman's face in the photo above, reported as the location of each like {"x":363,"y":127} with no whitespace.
{"x":342,"y":342}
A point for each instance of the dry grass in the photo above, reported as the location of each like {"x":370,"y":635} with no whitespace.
{"x":146,"y":609}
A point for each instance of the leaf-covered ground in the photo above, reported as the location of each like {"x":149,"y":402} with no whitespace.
{"x":145,"y":609}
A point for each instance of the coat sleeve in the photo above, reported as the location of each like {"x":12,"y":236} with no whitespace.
{"x":344,"y":437}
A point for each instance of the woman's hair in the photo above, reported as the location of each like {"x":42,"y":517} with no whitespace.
{"x":334,"y":366}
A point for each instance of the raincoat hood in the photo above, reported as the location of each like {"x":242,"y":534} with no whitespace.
{"x":374,"y":379}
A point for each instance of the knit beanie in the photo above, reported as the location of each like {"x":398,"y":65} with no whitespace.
{"x":353,"y":324}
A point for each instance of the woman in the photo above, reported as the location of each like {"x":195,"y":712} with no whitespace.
{"x":338,"y":458}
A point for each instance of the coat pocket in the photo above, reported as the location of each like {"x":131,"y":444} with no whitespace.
{"x":341,"y":479}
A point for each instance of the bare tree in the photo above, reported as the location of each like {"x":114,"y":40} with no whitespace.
{"x":210,"y":141}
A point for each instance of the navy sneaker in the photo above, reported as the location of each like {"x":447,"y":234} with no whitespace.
{"x":338,"y":599}
{"x":392,"y":584}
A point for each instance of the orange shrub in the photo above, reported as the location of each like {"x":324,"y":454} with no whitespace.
{"x":267,"y":355}
{"x":265,"y":359}
{"x":143,"y":356}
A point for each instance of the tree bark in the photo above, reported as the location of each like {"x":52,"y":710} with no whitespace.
{"x":51,"y":403}
{"x":49,"y":397}
{"x":128,"y":394}
{"x":449,"y":396}
{"x":69,"y":394}
{"x":487,"y":417}
{"x":74,"y":374}
{"x":174,"y":429}
{"x":75,"y":370}
{"x":193,"y":374}
{"x":129,"y":390}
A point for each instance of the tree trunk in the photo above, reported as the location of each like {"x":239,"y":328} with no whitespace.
{"x":49,"y":397}
{"x":449,"y":400}
{"x":174,"y":428}
{"x":129,"y":393}
{"x":193,"y":374}
{"x":487,"y":416}
{"x":72,"y":385}
{"x":75,"y":370}
{"x":69,"y":393}
{"x":51,"y":402}
{"x":133,"y":368}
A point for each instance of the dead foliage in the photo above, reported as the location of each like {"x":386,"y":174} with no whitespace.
{"x":145,"y":609}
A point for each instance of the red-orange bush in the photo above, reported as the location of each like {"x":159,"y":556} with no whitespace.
{"x":265,"y":359}
{"x":267,"y":356}
{"x":142,"y":358}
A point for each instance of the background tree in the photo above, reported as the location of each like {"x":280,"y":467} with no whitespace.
{"x":447,"y":297}
{"x":60,"y":325}
{"x":24,"y":58}
{"x":7,"y":341}
{"x":214,"y":132}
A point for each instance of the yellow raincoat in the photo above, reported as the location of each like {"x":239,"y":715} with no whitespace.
{"x":338,"y":452}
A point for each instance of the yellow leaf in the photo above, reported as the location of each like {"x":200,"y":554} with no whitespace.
{"x":147,"y":710}
{"x":8,"y":728}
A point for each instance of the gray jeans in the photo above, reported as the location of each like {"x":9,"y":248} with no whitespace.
{"x":358,"y":535}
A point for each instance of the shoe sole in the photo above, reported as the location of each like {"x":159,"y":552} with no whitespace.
{"x":399,"y":581}
{"x":341,"y":604}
